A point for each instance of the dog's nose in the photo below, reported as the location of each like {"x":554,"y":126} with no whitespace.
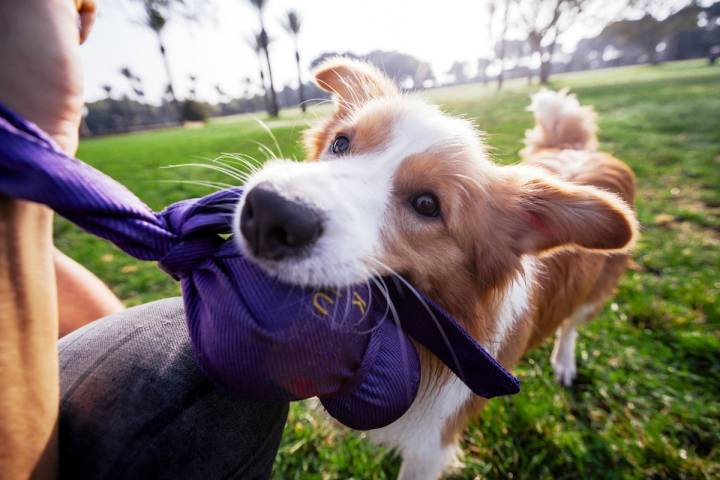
{"x":275,"y":227}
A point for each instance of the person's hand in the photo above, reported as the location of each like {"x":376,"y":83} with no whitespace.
{"x":40,"y":74}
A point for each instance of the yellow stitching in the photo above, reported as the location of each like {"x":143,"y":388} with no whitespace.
{"x":316,"y":302}
{"x":359,"y":301}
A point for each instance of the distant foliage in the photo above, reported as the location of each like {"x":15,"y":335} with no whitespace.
{"x":125,"y":115}
{"x":406,"y":70}
{"x":690,"y":32}
{"x":194,"y":111}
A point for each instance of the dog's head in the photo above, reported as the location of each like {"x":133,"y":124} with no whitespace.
{"x":393,"y":184}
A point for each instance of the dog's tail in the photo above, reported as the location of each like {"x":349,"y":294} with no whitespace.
{"x":560,"y":122}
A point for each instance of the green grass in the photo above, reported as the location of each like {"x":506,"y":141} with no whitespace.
{"x":647,"y":400}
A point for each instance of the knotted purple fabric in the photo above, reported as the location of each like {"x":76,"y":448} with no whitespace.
{"x":252,"y":334}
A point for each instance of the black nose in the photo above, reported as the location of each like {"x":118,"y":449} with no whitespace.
{"x":275,"y":227}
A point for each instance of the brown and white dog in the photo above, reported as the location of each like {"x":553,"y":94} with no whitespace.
{"x":395,"y":186}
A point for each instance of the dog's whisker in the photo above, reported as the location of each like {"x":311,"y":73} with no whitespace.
{"x":248,"y":161}
{"x":209,"y":167}
{"x":208,"y":184}
{"x":404,"y":352}
{"x":229,"y":166}
{"x":267,"y":151}
{"x":272,"y":135}
{"x":422,"y":301}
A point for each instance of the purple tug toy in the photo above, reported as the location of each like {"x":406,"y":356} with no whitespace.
{"x":251,"y":334}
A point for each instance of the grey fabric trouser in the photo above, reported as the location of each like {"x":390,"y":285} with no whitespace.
{"x":134,"y":405}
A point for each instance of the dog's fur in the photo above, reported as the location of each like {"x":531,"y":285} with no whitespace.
{"x":518,"y":253}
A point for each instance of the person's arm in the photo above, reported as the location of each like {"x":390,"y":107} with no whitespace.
{"x":29,"y":384}
{"x":83,"y":296}
{"x":40,"y":79}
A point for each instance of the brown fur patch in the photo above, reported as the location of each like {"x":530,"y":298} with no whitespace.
{"x":450,"y":257}
{"x":466,"y":259}
{"x":353,"y":84}
{"x":568,"y":279}
{"x":367,"y":133}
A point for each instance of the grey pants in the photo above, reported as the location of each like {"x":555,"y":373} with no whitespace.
{"x":134,"y":405}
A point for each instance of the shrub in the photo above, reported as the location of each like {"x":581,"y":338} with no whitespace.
{"x":194,"y":111}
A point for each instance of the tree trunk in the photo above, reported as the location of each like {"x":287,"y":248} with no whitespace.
{"x":545,"y":68}
{"x":546,"y":63}
{"x":273,"y":98}
{"x":168,"y":72}
{"x":652,"y":56}
{"x":301,"y":88}
{"x":263,"y":85}
{"x":501,"y":75}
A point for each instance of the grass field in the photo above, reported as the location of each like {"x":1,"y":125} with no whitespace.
{"x":647,"y":400}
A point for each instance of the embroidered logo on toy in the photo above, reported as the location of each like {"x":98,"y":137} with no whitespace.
{"x":324,"y":300}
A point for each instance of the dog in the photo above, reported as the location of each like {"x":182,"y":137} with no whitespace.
{"x":393,"y":186}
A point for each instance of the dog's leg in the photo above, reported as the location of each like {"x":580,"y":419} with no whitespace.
{"x":418,"y":435}
{"x":429,"y":463}
{"x":563,"y":354}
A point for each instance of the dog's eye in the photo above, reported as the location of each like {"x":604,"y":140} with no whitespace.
{"x":426,"y":204}
{"x":340,"y":145}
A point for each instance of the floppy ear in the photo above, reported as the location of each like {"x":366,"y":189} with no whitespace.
{"x":352,"y":82}
{"x":556,"y":214}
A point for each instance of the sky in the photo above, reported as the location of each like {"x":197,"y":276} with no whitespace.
{"x":216,"y":51}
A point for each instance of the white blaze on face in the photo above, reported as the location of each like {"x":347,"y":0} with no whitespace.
{"x":352,"y":193}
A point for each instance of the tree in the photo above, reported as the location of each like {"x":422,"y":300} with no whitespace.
{"x":501,"y":48}
{"x":247,"y":83}
{"x":222,"y":94}
{"x":193,"y":86}
{"x":156,"y":15}
{"x":127,"y":73}
{"x":256,"y":43}
{"x":458,"y":71}
{"x":406,"y":70}
{"x":543,"y":22}
{"x":249,"y":99}
{"x":135,"y":82}
{"x":156,"y":20}
{"x":292,"y":24}
{"x":490,"y":37}
{"x":648,"y":32}
{"x":482,"y":65}
{"x":264,"y":43}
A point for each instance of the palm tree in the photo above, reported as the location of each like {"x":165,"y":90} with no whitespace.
{"x":265,"y":41}
{"x":193,"y":86}
{"x":457,"y":70}
{"x":256,"y":43}
{"x":501,"y":53}
{"x":292,"y":24}
{"x":134,"y":81}
{"x":222,"y":94}
{"x":155,"y":19}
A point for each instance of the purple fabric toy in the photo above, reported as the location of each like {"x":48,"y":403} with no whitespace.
{"x":251,"y":334}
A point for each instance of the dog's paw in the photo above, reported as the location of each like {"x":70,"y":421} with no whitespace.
{"x":565,"y":369}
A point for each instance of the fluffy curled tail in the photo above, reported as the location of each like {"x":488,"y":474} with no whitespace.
{"x":560,"y":122}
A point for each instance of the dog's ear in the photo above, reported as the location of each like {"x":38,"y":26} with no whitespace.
{"x":352,"y":82}
{"x":554,"y":214}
